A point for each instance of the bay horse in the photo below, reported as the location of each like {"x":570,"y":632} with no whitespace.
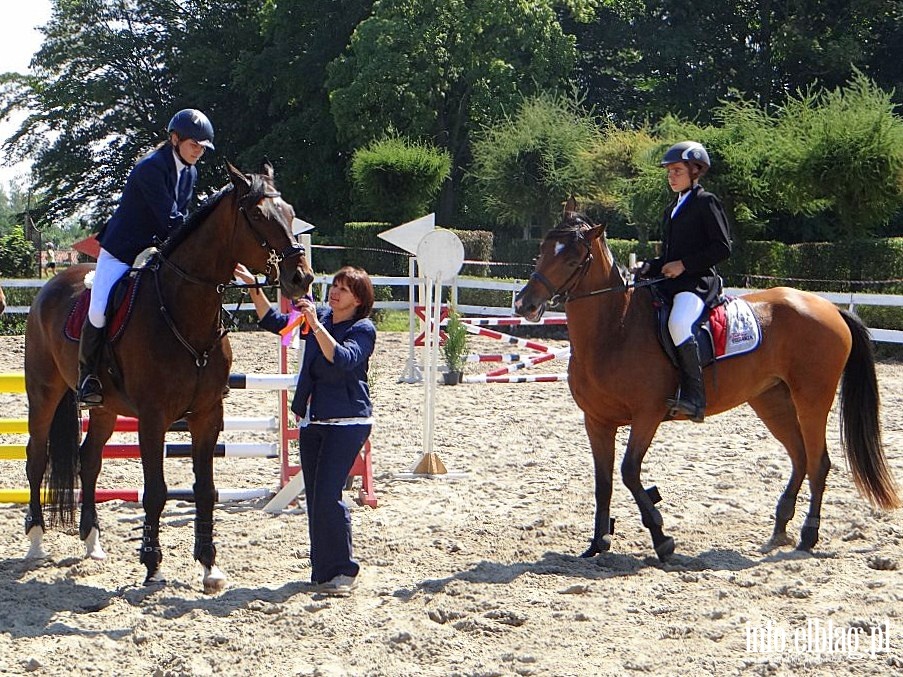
{"x":790,"y":381}
{"x":171,"y":361}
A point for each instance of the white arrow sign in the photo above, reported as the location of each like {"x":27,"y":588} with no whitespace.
{"x":299,"y":226}
{"x":408,"y":235}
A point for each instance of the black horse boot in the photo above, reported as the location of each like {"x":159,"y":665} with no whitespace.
{"x":691,"y":397}
{"x":90,"y":391}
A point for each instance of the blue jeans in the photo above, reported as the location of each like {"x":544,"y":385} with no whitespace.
{"x":327,"y":454}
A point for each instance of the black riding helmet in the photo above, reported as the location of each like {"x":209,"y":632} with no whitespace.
{"x":688,"y":151}
{"x":191,"y":123}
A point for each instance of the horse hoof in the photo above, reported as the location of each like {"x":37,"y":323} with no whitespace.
{"x":36,"y":547}
{"x":808,"y":539}
{"x":155,"y":579}
{"x":776,"y":541}
{"x":92,"y":545}
{"x":214,"y":580}
{"x":665,"y":549}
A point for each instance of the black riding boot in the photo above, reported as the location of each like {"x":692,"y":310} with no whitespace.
{"x":691,"y":397}
{"x":90,"y":392}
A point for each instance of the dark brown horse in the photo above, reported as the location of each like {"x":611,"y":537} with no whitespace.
{"x":172,"y":361}
{"x":790,"y":381}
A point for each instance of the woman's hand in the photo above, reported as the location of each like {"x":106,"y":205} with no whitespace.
{"x":307,"y":308}
{"x":242,"y":274}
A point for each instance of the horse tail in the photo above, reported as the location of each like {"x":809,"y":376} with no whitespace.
{"x":65,"y":434}
{"x":860,"y":427}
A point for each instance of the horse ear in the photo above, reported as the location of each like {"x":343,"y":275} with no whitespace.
{"x":570,"y":207}
{"x":267,"y":168}
{"x":594,"y":232}
{"x":239,"y":180}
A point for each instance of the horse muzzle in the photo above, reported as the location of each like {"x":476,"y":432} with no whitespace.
{"x":528,"y":305}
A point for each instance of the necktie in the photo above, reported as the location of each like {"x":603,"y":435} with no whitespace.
{"x":183,"y":192}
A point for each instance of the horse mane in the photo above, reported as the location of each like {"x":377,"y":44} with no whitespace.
{"x":176,"y":237}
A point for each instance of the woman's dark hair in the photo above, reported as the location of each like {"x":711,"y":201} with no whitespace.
{"x":359,"y":284}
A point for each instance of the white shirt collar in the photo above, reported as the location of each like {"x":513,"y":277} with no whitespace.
{"x":179,"y":164}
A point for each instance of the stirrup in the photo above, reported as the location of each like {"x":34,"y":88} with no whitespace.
{"x":676,"y":407}
{"x":90,"y":392}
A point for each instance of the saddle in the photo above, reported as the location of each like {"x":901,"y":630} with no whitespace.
{"x":118,"y":312}
{"x":727,"y":330}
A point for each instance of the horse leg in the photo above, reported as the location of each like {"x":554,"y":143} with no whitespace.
{"x":641,"y":434}
{"x":35,"y":467}
{"x":818,"y":464}
{"x":602,"y":441}
{"x":47,"y":411}
{"x":204,"y":434}
{"x":100,"y":429}
{"x":151,"y":433}
{"x":777,"y":411}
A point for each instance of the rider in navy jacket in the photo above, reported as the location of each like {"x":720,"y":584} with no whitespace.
{"x":154,"y":201}
{"x":147,"y":211}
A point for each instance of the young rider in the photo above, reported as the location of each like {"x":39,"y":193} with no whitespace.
{"x":695,"y":237}
{"x":155,"y":200}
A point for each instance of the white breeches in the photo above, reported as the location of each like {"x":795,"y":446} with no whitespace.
{"x":109,"y":269}
{"x":686,"y":309}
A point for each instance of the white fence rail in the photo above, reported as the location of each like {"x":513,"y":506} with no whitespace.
{"x":850,"y":300}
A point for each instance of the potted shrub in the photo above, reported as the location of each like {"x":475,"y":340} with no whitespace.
{"x":455,"y":348}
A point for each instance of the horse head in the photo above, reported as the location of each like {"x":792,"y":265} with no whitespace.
{"x":267,"y":244}
{"x":564,"y":258}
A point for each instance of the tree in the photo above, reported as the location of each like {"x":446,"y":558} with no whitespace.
{"x":840,"y":152}
{"x":279,"y":99}
{"x":108,"y":77}
{"x":437,"y":70}
{"x":528,"y":165}
{"x":17,"y":255}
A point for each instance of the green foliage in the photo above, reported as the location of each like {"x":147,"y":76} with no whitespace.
{"x":455,"y":347}
{"x":528,"y":165}
{"x":397,"y":179}
{"x":477,"y":247}
{"x":17,"y":255}
{"x":440,"y":69}
{"x":841,"y":153}
{"x":362,"y":242}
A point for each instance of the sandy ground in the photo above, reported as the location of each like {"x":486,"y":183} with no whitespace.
{"x":476,"y":576}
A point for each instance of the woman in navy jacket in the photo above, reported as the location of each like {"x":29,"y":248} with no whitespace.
{"x":695,"y":237}
{"x":154,"y":201}
{"x":332,"y":401}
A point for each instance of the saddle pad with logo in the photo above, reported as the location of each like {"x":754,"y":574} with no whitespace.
{"x":735,"y":328}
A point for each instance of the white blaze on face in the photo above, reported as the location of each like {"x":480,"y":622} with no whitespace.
{"x":558,"y":247}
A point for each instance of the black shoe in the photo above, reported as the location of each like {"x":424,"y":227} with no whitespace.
{"x":690,"y":400}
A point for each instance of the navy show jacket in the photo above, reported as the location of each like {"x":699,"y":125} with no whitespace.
{"x":338,"y":389}
{"x":147,"y":208}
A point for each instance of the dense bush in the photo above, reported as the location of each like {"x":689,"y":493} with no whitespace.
{"x":17,"y":255}
{"x":396,"y":179}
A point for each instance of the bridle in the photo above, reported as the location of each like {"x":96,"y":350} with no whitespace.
{"x":274,"y":258}
{"x":567,"y":287}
